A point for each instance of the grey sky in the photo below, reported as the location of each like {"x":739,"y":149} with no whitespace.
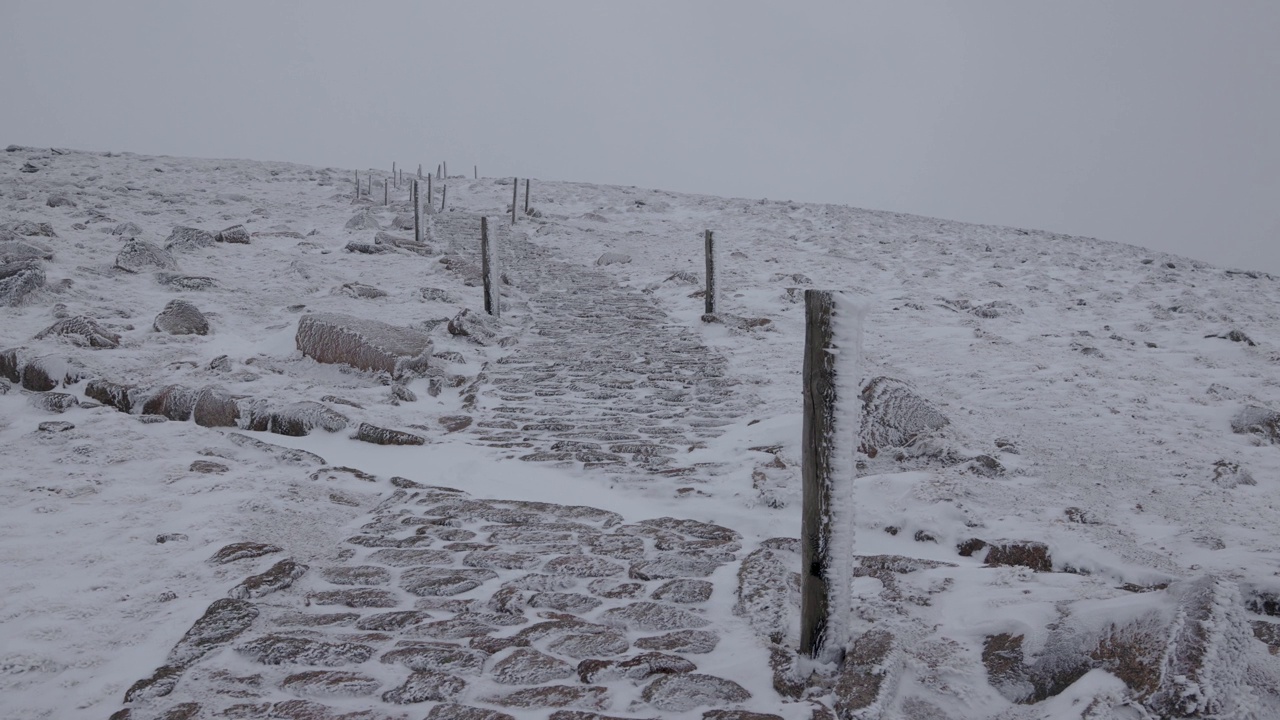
{"x":1147,"y":121}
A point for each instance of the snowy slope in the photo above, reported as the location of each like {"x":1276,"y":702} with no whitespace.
{"x":1097,"y":377}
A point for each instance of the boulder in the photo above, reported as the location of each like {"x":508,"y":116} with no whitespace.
{"x":360,"y":290}
{"x":26,"y":228}
{"x":54,"y":402}
{"x":364,"y":344}
{"x":426,"y":685}
{"x":366,"y":248}
{"x":139,"y":255}
{"x":174,"y":402}
{"x":121,"y":397}
{"x":214,"y":407}
{"x":221,"y":623}
{"x":295,"y":420}
{"x":180,"y":317}
{"x":279,"y":577}
{"x":234,"y":234}
{"x":364,"y":220}
{"x":39,"y":374}
{"x":18,"y":281}
{"x":12,"y":251}
{"x":613,"y":258}
{"x":242,"y":551}
{"x":82,"y":331}
{"x":56,"y":201}
{"x":127,"y":229}
{"x":1259,"y":421}
{"x":178,"y":281}
{"x":188,"y":238}
{"x":473,"y":326}
{"x":383,"y":436}
{"x":894,"y":415}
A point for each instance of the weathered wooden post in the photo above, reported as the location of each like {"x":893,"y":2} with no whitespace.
{"x":526,"y":196}
{"x":444,"y":192}
{"x":386,"y":191}
{"x":832,"y":424}
{"x":393,"y":172}
{"x":489,"y":268}
{"x":437,"y":171}
{"x":431,"y":197}
{"x":357,"y":198}
{"x":419,"y":171}
{"x":475,"y":172}
{"x":710,"y":245}
{"x":369,"y":192}
{"x":417,"y":214}
{"x":515,"y":195}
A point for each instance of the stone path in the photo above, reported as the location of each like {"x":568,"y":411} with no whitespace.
{"x":602,"y":375}
{"x":444,"y":605}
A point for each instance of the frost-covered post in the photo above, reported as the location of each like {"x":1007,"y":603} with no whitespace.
{"x":386,"y":191}
{"x":393,"y":172}
{"x":417,"y":214}
{"x":515,"y":195}
{"x":526,"y":196}
{"x":357,"y":185}
{"x":832,"y":424}
{"x":489,"y":269}
{"x":444,"y":193}
{"x":419,"y":171}
{"x":475,"y":172}
{"x":710,"y":244}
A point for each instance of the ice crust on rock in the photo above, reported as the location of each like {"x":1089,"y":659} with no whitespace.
{"x":139,"y":255}
{"x":188,"y":238}
{"x":180,"y":317}
{"x":19,"y":281}
{"x":364,"y":344}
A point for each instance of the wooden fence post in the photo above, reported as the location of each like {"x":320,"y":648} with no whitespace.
{"x":357,"y":186}
{"x":489,"y":268}
{"x":710,"y":245}
{"x":393,"y":173}
{"x":437,"y":171}
{"x":526,"y":196}
{"x":832,"y":424}
{"x":444,"y":193}
{"x":386,"y":191}
{"x":475,"y":172}
{"x":417,"y":214}
{"x":515,"y":195}
{"x":431,"y":197}
{"x":419,"y":171}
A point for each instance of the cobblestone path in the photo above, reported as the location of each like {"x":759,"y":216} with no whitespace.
{"x":443,"y":605}
{"x":602,"y":376}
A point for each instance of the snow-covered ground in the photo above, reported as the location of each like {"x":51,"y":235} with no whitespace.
{"x":1090,"y":389}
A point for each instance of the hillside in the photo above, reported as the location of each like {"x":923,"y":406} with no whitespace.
{"x":1067,"y":508}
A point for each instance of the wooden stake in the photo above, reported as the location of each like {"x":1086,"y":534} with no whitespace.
{"x":526,"y":196}
{"x":357,"y":185}
{"x":710,"y":246}
{"x":444,"y":192}
{"x":515,"y":191}
{"x":386,"y":195}
{"x":417,"y":214}
{"x":475,"y":172}
{"x":488,"y":268}
{"x":830,"y":367}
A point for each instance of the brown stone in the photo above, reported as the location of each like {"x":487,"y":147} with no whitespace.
{"x":357,"y":598}
{"x":684,"y":591}
{"x":446,"y":657}
{"x":242,"y":551}
{"x":453,"y":711}
{"x":589,"y":697}
{"x":286,"y":650}
{"x":223,"y":621}
{"x":364,"y":344}
{"x":356,"y":575}
{"x":583,"y":566}
{"x":685,"y":691}
{"x":426,"y":685}
{"x":652,"y":616}
{"x":693,"y":642}
{"x":330,"y":683}
{"x":444,"y":581}
{"x":215,"y":407}
{"x":454,"y":423}
{"x":279,"y":577}
{"x":526,"y":666}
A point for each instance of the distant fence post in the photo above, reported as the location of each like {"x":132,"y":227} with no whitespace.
{"x":526,"y":196}
{"x":369,"y":192}
{"x":419,"y":171}
{"x":832,"y":350}
{"x":393,"y":173}
{"x":489,"y":268}
{"x":444,"y":193}
{"x":417,"y":214}
{"x":475,"y":172}
{"x":357,"y":185}
{"x":386,"y":191}
{"x":515,"y":195}
{"x":710,"y":245}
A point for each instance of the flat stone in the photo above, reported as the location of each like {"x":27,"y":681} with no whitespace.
{"x":665,"y":566}
{"x":330,"y":683}
{"x":54,"y":402}
{"x":583,"y":566}
{"x":684,"y":591}
{"x":364,"y":344}
{"x":292,"y":456}
{"x":305,"y":619}
{"x":178,"y":281}
{"x":614,"y":589}
{"x":426,"y":685}
{"x":693,"y":642}
{"x":393,"y":621}
{"x":188,"y":238}
{"x":444,"y":581}
{"x":526,"y":666}
{"x":652,"y":616}
{"x":55,"y":426}
{"x":501,"y":560}
{"x":235,"y":234}
{"x":438,"y":656}
{"x":242,"y":551}
{"x":222,"y":622}
{"x":408,"y":557}
{"x":82,"y":331}
{"x":454,"y":423}
{"x":453,"y":711}
{"x":595,"y":643}
{"x":357,"y":598}
{"x":281,"y":576}
{"x":287,"y":650}
{"x":564,"y":602}
{"x":207,"y":467}
{"x":556,"y":696}
{"x":356,"y":575}
{"x":686,"y":691}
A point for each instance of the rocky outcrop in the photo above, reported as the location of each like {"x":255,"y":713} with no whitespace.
{"x":364,"y":344}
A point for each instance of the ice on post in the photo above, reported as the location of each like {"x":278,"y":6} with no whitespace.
{"x":364,"y":344}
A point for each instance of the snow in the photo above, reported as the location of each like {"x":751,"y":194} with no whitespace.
{"x":1101,"y":367}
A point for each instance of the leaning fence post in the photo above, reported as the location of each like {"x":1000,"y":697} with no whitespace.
{"x":710,"y":244}
{"x":832,"y":424}
{"x":417,"y":214}
{"x":526,"y":196}
{"x":515,"y":195}
{"x":489,"y":268}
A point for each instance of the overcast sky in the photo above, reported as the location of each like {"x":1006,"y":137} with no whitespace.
{"x":1153,"y":122}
